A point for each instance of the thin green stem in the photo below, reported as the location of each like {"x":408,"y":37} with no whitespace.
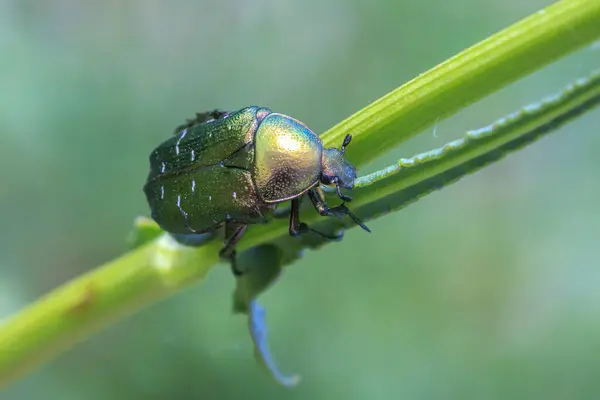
{"x":413,"y":178}
{"x":538,"y":118}
{"x":474,"y":73}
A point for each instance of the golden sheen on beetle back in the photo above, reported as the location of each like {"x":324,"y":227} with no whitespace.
{"x":288,"y":158}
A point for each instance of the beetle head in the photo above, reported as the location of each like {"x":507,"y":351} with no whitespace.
{"x":336,"y":169}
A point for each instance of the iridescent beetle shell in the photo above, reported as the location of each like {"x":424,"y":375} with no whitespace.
{"x":201,"y":177}
{"x":233,"y":169}
{"x":288,"y":158}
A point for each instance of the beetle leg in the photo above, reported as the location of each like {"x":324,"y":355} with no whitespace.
{"x":339,"y":192}
{"x":233,"y":233}
{"x":338,"y":211}
{"x":298,"y":228}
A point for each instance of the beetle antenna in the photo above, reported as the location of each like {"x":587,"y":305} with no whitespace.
{"x":347,"y":140}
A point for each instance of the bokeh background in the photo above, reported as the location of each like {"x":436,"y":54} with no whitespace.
{"x":488,"y":289}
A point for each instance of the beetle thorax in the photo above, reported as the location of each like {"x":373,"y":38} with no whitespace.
{"x":287,"y":158}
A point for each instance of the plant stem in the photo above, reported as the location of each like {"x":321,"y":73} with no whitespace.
{"x":74,"y":311}
{"x":474,"y":73}
{"x":477,"y":148}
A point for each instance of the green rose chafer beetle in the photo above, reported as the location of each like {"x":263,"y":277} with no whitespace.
{"x":232,"y":169}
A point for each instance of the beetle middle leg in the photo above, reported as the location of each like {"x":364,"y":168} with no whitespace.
{"x":233,"y":233}
{"x":338,"y":211}
{"x":298,"y":228}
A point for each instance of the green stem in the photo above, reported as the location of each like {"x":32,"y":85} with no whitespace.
{"x":74,"y":311}
{"x":474,"y":73}
{"x":418,"y":176}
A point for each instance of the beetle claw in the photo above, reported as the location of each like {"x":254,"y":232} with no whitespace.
{"x":343,"y":210}
{"x":358,"y":221}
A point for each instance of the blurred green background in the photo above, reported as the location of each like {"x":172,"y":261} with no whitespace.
{"x":489,"y":289}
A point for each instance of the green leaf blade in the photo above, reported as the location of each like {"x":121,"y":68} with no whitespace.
{"x":478,"y":71}
{"x":482,"y":146}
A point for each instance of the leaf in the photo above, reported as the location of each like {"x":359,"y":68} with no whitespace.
{"x":474,"y":73}
{"x":262,"y":267}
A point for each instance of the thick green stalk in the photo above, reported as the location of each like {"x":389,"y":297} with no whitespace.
{"x":75,"y":310}
{"x":474,"y":73}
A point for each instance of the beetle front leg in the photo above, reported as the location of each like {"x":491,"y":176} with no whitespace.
{"x":298,"y":228}
{"x":341,"y":195}
{"x":233,"y":234}
{"x":338,"y":211}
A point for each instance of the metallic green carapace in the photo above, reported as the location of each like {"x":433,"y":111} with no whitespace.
{"x":231,"y":169}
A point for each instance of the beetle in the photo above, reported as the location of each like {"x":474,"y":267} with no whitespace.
{"x":232,"y":169}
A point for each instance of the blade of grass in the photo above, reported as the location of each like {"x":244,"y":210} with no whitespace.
{"x":410,"y":179}
{"x":521,"y":127}
{"x":476,"y":72}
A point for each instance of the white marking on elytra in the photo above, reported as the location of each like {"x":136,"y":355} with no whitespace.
{"x":193,"y":155}
{"x":209,"y":197}
{"x":163,"y":167}
{"x":234,"y":195}
{"x":179,"y":140}
{"x":162,"y":192}
{"x":179,"y":206}
{"x":193,"y":185}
